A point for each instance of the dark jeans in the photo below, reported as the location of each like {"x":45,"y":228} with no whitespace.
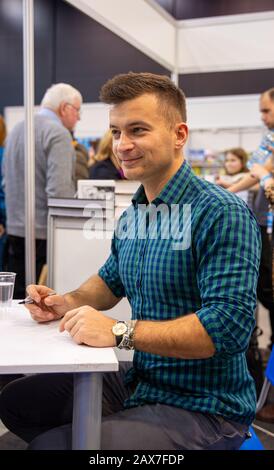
{"x":16,"y":261}
{"x":39,"y":409}
{"x":264,"y":289}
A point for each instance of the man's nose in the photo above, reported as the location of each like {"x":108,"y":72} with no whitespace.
{"x":124,"y":143}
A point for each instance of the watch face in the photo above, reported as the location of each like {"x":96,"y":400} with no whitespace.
{"x":119,"y":328}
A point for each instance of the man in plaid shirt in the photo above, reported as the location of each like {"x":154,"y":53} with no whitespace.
{"x":186,"y":255}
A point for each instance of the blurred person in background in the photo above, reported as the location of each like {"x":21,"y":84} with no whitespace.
{"x":5,"y":378}
{"x":54,"y":173}
{"x":82,"y":160}
{"x":256,"y":164}
{"x":2,"y":196}
{"x":235,"y":169}
{"x":265,"y":174}
{"x":105,"y":164}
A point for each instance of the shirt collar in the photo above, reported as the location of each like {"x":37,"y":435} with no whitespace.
{"x":172,"y":191}
{"x":50,"y":114}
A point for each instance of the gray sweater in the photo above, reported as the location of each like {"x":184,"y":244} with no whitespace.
{"x":54,"y":172}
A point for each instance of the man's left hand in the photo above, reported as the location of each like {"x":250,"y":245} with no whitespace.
{"x":89,"y":326}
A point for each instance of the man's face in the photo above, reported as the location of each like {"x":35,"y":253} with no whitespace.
{"x":267,"y":111}
{"x":70,"y":113}
{"x":146,"y":146}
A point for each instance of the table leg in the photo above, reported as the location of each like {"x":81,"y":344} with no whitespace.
{"x":87,"y":410}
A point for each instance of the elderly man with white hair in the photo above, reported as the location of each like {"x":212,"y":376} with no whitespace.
{"x":54,"y":173}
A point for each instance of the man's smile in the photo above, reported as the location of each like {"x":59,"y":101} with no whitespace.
{"x":129,"y":161}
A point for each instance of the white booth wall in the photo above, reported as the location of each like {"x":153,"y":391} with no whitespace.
{"x":215,"y":122}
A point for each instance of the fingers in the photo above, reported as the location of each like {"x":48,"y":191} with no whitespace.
{"x":38,"y":314}
{"x":73,"y":323}
{"x":70,"y":323}
{"x":54,"y":300}
{"x":45,"y":302}
{"x":67,"y":317}
{"x":44,"y":295}
{"x":77,"y":337}
{"x":75,"y":332}
{"x":36,"y":292}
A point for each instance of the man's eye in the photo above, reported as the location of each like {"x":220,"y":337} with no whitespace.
{"x":115,"y":133}
{"x":138,"y":130}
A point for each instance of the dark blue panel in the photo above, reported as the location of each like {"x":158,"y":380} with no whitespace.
{"x":226,"y":83}
{"x":88,"y":54}
{"x":69,"y":47}
{"x":186,"y":9}
{"x":11,"y":53}
{"x":11,"y":50}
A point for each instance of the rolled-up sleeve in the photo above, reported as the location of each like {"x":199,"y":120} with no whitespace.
{"x":109,"y":272}
{"x":228,"y":256}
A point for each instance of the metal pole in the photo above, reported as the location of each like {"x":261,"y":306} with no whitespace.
{"x":174,"y":73}
{"x":87,"y":411}
{"x":28,"y":40}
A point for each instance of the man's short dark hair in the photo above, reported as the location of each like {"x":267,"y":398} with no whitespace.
{"x":131,"y":85}
{"x":270,"y":93}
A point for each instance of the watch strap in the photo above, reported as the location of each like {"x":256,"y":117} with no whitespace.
{"x":127,"y":341}
{"x":118,"y":340}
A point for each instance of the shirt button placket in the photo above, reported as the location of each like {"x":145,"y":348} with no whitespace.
{"x":139,"y":266}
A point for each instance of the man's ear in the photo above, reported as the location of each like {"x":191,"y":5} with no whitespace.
{"x":181,"y":130}
{"x":61,"y":108}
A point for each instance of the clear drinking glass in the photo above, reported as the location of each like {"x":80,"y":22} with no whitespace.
{"x":7,"y":281}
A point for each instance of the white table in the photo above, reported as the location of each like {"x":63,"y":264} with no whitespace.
{"x":27,"y":347}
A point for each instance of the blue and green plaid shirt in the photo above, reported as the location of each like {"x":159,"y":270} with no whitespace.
{"x":215,"y":277}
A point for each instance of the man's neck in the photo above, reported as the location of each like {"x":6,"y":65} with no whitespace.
{"x":153,"y":188}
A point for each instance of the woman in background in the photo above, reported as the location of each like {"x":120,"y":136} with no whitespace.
{"x":105,"y":164}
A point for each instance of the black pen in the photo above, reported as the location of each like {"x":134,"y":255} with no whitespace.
{"x":29,"y":300}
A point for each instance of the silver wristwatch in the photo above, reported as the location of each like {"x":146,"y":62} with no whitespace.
{"x":123,"y":332}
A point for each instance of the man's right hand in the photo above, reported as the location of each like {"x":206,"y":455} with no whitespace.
{"x":46,"y":308}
